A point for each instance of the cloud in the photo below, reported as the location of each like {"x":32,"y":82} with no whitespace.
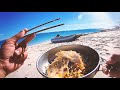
{"x":80,"y":16}
{"x":95,"y":17}
{"x":95,"y":20}
{"x":79,"y":26}
{"x":90,"y":20}
{"x":89,"y":26}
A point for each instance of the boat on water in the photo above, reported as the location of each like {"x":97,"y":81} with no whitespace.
{"x":59,"y":39}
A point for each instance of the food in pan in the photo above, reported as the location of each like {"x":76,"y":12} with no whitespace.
{"x":67,"y":64}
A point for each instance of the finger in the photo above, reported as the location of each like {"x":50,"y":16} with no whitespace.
{"x":25,"y":56}
{"x":21,"y":58}
{"x":26,"y":48}
{"x":114,"y":73}
{"x":15,"y":38}
{"x":105,"y":70}
{"x":26,"y":30}
{"x":26,"y":40}
{"x":18,"y":51}
{"x":16,"y":44}
{"x":20,"y":34}
{"x":110,"y":61}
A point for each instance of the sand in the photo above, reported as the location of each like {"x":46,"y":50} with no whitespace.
{"x":105,"y":43}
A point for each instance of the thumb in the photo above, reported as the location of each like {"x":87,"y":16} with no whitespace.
{"x":20,"y":34}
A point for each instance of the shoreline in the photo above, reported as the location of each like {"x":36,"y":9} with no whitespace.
{"x":104,"y":43}
{"x":46,"y":42}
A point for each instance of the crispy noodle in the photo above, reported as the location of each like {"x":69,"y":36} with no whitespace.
{"x":67,"y":64}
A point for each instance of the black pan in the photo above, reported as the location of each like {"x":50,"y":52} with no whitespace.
{"x":91,"y":58}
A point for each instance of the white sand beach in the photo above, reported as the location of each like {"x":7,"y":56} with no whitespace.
{"x":104,"y":43}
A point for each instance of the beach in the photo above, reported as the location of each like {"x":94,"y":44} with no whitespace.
{"x":105,"y":43}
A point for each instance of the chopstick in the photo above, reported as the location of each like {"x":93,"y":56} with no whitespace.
{"x":43,"y":24}
{"x":44,"y":29}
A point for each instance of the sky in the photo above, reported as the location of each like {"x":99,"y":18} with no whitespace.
{"x":13,"y":22}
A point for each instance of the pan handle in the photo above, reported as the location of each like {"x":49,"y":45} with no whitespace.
{"x":102,"y":62}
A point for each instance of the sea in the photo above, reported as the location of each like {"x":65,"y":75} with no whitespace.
{"x":43,"y":37}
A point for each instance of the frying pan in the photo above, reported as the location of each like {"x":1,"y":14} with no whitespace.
{"x":90,"y":57}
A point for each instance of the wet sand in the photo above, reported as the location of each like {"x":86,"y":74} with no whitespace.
{"x":105,"y":43}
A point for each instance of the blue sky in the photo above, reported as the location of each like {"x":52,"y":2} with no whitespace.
{"x":13,"y":22}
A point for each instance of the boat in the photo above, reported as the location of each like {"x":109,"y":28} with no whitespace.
{"x":59,"y":39}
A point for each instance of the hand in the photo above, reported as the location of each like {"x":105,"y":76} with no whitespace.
{"x":112,"y":66}
{"x":12,"y":55}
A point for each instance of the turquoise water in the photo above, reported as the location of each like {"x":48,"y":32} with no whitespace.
{"x":42,"y":37}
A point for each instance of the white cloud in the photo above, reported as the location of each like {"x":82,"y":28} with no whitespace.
{"x":84,"y":26}
{"x":89,"y":26}
{"x":96,"y":17}
{"x":80,"y":16}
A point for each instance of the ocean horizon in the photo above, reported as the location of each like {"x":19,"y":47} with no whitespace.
{"x":43,"y":37}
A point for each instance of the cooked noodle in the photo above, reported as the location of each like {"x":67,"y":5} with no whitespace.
{"x":67,"y":64}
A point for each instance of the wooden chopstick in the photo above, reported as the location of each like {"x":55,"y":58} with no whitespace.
{"x":44,"y":29}
{"x":43,"y":24}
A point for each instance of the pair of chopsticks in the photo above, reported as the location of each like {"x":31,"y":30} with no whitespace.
{"x":24,"y":46}
{"x":45,"y":28}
